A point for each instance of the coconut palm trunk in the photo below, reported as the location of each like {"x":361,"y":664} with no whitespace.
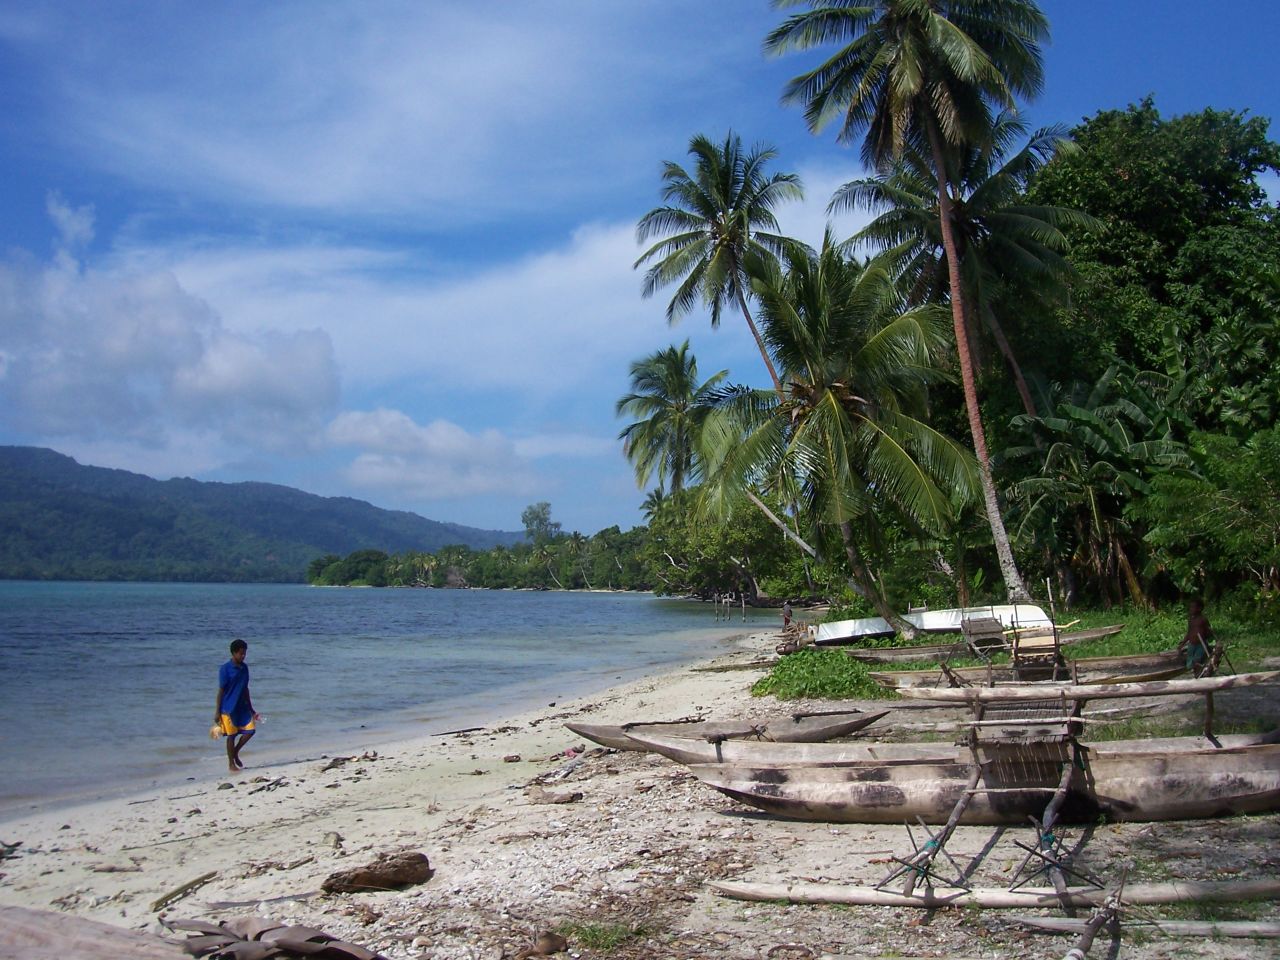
{"x":764,"y":351}
{"x":1004,"y":551}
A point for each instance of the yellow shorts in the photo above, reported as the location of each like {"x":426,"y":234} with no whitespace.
{"x":229,"y":728}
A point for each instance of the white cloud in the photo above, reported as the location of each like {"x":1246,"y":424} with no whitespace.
{"x":436,"y":461}
{"x":542,"y":323}
{"x":74,"y":224}
{"x":132,"y":355}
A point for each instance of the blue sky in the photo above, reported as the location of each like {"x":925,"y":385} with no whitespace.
{"x":384,"y":250}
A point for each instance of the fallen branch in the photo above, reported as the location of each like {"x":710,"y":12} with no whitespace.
{"x":178,"y":893}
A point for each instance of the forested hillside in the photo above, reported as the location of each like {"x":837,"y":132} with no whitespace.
{"x":62,"y":520}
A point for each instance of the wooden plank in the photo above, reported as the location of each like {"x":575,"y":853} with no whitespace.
{"x":998,"y":898}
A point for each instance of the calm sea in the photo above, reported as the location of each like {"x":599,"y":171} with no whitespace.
{"x":109,"y":687}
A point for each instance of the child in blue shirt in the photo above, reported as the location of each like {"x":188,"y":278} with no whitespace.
{"x":233,"y":710}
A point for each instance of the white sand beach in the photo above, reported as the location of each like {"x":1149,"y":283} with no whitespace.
{"x":629,"y":856}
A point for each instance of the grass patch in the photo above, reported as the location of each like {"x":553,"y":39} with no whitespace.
{"x":598,"y":936}
{"x":820,"y":674}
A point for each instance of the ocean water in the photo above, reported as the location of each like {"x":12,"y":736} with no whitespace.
{"x":109,"y":687}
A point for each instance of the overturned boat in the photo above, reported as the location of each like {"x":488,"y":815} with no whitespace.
{"x":1012,"y":616}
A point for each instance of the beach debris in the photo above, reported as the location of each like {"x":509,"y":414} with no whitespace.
{"x":227,"y":785}
{"x":364,"y":914}
{"x":333,"y":839}
{"x":115,"y":868}
{"x":389,"y":871}
{"x":177,"y":893}
{"x":545,"y":945}
{"x":270,"y":785}
{"x":451,"y":733}
{"x":334,"y":763}
{"x":537,"y":794}
{"x":8,"y":850}
{"x":231,"y":938}
{"x":511,"y":758}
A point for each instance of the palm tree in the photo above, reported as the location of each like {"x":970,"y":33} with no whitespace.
{"x":653,"y":502}
{"x":714,"y":219}
{"x":845,"y":441}
{"x":671,"y":405}
{"x":925,"y":74}
{"x":1006,"y":244}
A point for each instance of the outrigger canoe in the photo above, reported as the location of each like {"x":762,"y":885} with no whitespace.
{"x":797,"y":728}
{"x":1125,"y":780}
{"x":753,"y":753}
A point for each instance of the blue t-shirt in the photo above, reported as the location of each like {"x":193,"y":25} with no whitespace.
{"x":234,"y":681}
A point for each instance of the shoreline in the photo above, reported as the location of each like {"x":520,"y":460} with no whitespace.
{"x":83,"y":838}
{"x":384,"y":733}
{"x":629,"y":854}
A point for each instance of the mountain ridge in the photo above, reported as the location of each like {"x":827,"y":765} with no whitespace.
{"x":62,"y":520}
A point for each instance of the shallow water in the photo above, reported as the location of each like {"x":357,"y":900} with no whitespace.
{"x":109,"y":687}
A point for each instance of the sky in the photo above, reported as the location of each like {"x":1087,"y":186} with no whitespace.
{"x":384,"y":250}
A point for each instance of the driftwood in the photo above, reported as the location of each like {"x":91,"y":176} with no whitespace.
{"x":45,"y":935}
{"x":389,"y":871}
{"x":177,"y":893}
{"x":999,"y":898}
{"x":1242,"y":929}
{"x":537,"y":794}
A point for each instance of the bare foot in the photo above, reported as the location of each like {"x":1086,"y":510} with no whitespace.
{"x":233,"y":768}
{"x":239,"y":764}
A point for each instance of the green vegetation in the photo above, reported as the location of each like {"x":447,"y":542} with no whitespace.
{"x":829,"y":674}
{"x":598,"y":936}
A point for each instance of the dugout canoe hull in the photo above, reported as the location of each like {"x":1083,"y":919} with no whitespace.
{"x":754,"y":753}
{"x":1135,"y":667}
{"x":801,"y":728}
{"x":1067,"y":692}
{"x":1117,"y":786}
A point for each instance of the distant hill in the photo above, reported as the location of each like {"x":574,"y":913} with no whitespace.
{"x":60,"y":520}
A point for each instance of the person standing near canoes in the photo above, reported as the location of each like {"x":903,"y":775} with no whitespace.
{"x":786,"y":614}
{"x":233,"y":710}
{"x":1195,"y":645}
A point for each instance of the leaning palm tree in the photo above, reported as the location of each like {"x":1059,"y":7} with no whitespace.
{"x":925,"y":74}
{"x":670,"y":405}
{"x":846,"y":442}
{"x":715,"y":217}
{"x":1007,"y":245}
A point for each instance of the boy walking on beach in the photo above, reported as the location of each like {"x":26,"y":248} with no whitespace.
{"x":233,"y":710}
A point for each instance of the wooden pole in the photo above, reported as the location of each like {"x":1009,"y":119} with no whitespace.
{"x":998,"y":897}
